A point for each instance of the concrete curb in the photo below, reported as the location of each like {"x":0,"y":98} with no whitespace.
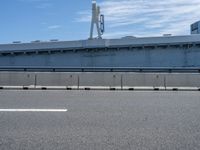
{"x":100,"y":88}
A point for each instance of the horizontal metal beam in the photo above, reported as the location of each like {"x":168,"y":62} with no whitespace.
{"x":102,"y":69}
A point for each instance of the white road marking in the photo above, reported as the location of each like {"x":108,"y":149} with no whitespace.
{"x":33,"y":110}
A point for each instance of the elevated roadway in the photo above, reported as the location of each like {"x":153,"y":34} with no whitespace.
{"x":170,"y":51}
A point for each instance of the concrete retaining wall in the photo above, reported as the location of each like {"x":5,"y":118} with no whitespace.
{"x":100,"y":80}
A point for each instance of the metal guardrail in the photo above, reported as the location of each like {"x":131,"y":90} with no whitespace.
{"x":103,"y":69}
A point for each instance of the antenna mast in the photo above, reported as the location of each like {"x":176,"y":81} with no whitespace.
{"x":98,"y":20}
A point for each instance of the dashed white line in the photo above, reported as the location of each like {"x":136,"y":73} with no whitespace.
{"x":33,"y":110}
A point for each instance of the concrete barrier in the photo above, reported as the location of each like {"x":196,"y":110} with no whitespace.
{"x":17,"y":79}
{"x":182,"y":80}
{"x":57,"y":79}
{"x":101,"y":80}
{"x":108,"y":80}
{"x":143,"y":80}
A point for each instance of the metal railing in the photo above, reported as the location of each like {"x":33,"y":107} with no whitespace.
{"x":103,"y":69}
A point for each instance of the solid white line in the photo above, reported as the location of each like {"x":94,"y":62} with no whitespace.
{"x":33,"y":110}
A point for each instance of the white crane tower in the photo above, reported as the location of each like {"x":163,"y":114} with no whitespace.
{"x":98,"y":20}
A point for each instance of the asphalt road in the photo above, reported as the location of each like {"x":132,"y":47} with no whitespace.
{"x":100,"y":120}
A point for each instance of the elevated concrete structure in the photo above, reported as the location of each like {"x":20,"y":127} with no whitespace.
{"x":171,"y":51}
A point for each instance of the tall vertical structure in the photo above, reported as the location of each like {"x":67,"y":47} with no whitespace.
{"x":98,"y":20}
{"x":195,"y":28}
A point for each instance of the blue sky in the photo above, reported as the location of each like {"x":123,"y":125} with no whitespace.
{"x":28,"y":20}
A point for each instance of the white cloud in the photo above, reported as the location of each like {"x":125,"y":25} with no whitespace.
{"x":54,"y":27}
{"x":147,"y":17}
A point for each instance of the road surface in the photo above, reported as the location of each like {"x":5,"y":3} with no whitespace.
{"x":99,"y":120}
